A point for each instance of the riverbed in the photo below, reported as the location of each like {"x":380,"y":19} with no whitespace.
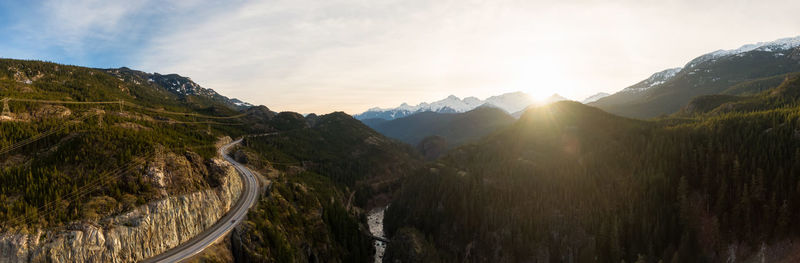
{"x":375,"y":222}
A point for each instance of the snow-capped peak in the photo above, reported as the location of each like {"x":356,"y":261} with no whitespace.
{"x":780,"y":44}
{"x":405,"y":106}
{"x":510,"y":102}
{"x":472,"y":101}
{"x":240,"y":103}
{"x":451,"y":102}
{"x":653,"y":80}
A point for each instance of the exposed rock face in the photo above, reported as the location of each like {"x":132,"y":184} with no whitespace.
{"x":131,"y":237}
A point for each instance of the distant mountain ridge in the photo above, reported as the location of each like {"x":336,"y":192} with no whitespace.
{"x":595,"y":97}
{"x":508,"y":102}
{"x":718,"y":72}
{"x":454,"y":129}
{"x":176,"y":84}
{"x":552,"y":99}
{"x":451,"y":104}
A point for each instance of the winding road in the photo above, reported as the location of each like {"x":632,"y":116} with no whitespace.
{"x":225,"y":224}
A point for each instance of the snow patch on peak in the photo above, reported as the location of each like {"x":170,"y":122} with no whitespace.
{"x":780,"y":44}
{"x":510,"y":102}
{"x":240,"y":103}
{"x":654,"y":80}
{"x":471,"y":99}
{"x":772,"y":46}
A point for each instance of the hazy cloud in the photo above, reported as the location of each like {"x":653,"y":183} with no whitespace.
{"x":320,"y":56}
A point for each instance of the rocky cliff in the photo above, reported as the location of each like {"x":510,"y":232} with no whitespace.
{"x":136,"y":235}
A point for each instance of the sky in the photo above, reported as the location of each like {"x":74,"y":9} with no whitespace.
{"x":351,"y":55}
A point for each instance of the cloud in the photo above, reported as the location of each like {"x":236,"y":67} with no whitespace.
{"x":319,"y":56}
{"x":351,"y":55}
{"x":87,"y":32}
{"x":339,"y":54}
{"x":77,"y":27}
{"x":73,"y":21}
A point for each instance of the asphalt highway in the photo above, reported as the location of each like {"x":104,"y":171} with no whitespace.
{"x":225,"y":224}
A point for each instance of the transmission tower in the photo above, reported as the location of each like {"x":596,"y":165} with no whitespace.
{"x":6,"y":110}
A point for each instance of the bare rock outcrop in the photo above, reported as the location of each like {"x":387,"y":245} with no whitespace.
{"x":146,"y":231}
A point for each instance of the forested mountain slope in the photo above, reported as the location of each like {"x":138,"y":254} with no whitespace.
{"x":786,"y":94}
{"x":341,"y":148}
{"x":571,"y":182}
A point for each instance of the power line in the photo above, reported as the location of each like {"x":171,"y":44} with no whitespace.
{"x":62,"y":101}
{"x":103,"y":179}
{"x":82,"y":191}
{"x":184,"y":113}
{"x":39,"y":136}
{"x":121,"y":103}
{"x":96,"y":184}
{"x":6,"y":110}
{"x":196,"y":122}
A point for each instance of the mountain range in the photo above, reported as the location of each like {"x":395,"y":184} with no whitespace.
{"x":730,"y":72}
{"x":451,"y":122}
{"x":595,"y":97}
{"x":454,"y":128}
{"x":509,"y":102}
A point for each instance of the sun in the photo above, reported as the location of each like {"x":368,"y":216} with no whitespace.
{"x":537,"y":85}
{"x":539,"y":95}
{"x":540,"y":87}
{"x":540,"y":77}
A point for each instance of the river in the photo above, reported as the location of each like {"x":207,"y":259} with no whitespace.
{"x":375,"y":222}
